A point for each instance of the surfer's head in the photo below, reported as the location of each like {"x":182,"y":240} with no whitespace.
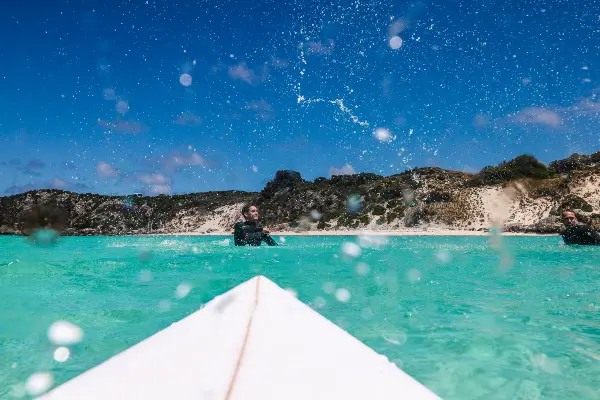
{"x":250,"y":213}
{"x":568,"y":218}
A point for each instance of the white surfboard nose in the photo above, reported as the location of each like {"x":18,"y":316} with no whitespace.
{"x":256,"y":341}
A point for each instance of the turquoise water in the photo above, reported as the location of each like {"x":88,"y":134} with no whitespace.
{"x":468,"y":321}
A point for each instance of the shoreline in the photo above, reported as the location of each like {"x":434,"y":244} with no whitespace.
{"x":360,"y":233}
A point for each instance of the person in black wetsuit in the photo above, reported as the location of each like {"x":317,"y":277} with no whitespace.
{"x":250,"y":232}
{"x":577,"y":233}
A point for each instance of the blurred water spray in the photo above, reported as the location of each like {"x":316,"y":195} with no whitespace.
{"x":44,"y":223}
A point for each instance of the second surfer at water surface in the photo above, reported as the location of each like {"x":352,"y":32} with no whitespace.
{"x":250,"y":232}
{"x":577,"y":233}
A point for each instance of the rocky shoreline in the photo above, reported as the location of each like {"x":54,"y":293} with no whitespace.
{"x":521,"y":196}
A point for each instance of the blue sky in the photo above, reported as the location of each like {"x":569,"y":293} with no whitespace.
{"x":186,"y":96}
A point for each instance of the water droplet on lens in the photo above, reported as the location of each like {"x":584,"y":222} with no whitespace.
{"x":372,"y":241}
{"x":342,"y":295}
{"x":329,"y":287}
{"x":164,"y":305}
{"x":319,"y":302}
{"x":122,"y":107}
{"x":353,"y":203}
{"x":362,"y":268}
{"x":185,"y":79}
{"x":396,"y":42}
{"x":383,"y":135}
{"x":145,"y":275}
{"x":45,"y":237}
{"x":545,"y":363}
{"x":18,"y":391}
{"x":397,"y":338}
{"x":351,"y":249}
{"x":366,"y":313}
{"x":182,"y":290}
{"x":145,"y":254}
{"x":38,"y":383}
{"x":414,"y":275}
{"x":62,"y":354}
{"x":64,"y":333}
{"x":443,"y":256}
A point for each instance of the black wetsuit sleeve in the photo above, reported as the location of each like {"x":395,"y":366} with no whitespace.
{"x":581,"y":234}
{"x":238,"y":235}
{"x":269,"y":240}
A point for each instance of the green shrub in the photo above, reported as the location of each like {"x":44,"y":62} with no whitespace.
{"x":523,"y":166}
{"x":378,"y":210}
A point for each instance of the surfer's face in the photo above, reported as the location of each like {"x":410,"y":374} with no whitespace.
{"x":569,"y":219}
{"x":252,"y":214}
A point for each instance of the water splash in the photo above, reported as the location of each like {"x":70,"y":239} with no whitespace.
{"x":384,"y":135}
{"x":337,"y":102}
{"x":45,"y":237}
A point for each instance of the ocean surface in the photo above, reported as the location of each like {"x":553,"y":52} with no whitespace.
{"x":469,"y":317}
